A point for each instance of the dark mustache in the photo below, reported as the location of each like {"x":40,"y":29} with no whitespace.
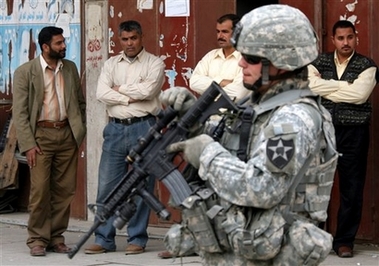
{"x":221,"y":40}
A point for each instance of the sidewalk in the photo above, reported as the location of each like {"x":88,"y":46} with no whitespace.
{"x":13,"y":250}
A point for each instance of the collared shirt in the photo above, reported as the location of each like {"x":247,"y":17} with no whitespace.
{"x":214,"y":66}
{"x":139,"y":79}
{"x":53,"y":107}
{"x":340,"y":90}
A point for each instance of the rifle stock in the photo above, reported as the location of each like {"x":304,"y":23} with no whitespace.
{"x":149,"y":159}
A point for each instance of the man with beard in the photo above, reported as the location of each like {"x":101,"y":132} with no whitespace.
{"x":221,"y":65}
{"x":345,"y":79}
{"x":49,"y":116}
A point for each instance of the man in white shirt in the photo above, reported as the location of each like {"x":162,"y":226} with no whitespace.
{"x":129,"y":85}
{"x":221,"y":65}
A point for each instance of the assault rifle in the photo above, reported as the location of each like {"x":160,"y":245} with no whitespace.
{"x":150,"y":159}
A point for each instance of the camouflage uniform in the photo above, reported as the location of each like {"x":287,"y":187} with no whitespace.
{"x":264,"y":180}
{"x":267,"y":216}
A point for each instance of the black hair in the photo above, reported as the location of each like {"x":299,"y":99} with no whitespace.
{"x":130,"y":25}
{"x":46,"y":35}
{"x":233,"y":17}
{"x":343,"y":24}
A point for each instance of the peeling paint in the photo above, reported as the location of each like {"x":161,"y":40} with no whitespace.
{"x":111,"y":11}
{"x":182,"y":44}
{"x":353,"y":18}
{"x":161,"y":38}
{"x":164,"y":57}
{"x":186,"y":74}
{"x":171,"y":75}
{"x":351,"y":6}
{"x":144,"y":4}
{"x":20,"y":24}
{"x":161,"y":8}
{"x":111,"y":43}
{"x":179,"y":51}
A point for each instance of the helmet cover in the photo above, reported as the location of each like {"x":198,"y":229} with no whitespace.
{"x":280,"y":33}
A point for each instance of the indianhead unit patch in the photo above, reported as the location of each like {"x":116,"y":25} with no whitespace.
{"x":280,"y":151}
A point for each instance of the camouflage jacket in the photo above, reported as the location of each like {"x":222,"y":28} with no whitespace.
{"x":280,"y":143}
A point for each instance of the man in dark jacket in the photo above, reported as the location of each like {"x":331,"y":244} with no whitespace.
{"x":345,"y":80}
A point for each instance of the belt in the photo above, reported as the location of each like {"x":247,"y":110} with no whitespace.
{"x":52,"y":124}
{"x":129,"y":121}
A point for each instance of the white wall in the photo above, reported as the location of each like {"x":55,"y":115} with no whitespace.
{"x":96,"y":52}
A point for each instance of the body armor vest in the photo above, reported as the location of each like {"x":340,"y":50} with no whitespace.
{"x":212,"y":226}
{"x":312,"y":194}
{"x":345,"y":113}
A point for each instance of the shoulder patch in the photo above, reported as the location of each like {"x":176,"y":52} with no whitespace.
{"x":280,"y":151}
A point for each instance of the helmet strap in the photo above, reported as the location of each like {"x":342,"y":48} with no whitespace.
{"x":265,"y":71}
{"x":301,"y":73}
{"x":265,"y":78}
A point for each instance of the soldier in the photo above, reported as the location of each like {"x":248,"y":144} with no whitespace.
{"x":267,"y":183}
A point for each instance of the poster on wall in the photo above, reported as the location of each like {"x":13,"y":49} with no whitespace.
{"x":20,"y":23}
{"x":177,"y":8}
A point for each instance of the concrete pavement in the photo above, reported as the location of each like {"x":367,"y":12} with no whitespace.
{"x":13,"y":250}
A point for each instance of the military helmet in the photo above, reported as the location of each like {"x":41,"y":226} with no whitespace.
{"x":280,"y":33}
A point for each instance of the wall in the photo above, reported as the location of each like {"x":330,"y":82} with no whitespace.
{"x":96,"y":48}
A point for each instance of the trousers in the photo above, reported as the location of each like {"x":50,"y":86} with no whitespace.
{"x":353,"y":144}
{"x":52,"y":186}
{"x":119,"y":139}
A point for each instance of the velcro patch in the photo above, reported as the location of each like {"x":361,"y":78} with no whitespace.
{"x":280,"y":151}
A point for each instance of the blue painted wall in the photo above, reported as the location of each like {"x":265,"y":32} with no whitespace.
{"x":20,"y":23}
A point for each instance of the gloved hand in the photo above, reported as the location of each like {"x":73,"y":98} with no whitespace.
{"x":191,"y":148}
{"x":180,"y":98}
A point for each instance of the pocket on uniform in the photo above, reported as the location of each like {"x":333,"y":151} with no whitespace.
{"x":311,"y":243}
{"x":179,"y":241}
{"x":262,"y":239}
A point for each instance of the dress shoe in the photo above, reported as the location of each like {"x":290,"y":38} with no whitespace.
{"x":168,"y":255}
{"x":345,"y":252}
{"x":37,"y":251}
{"x":134,"y":249}
{"x":60,"y":248}
{"x":95,"y":249}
